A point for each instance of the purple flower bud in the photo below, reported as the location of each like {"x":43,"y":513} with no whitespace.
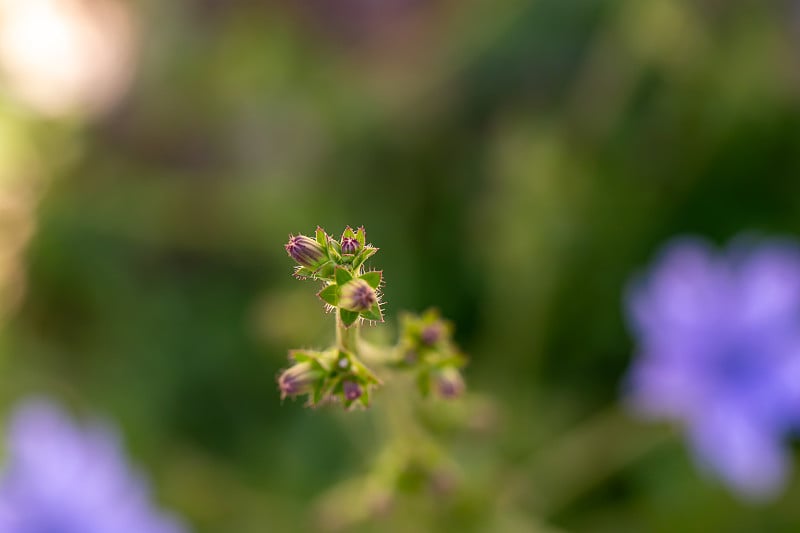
{"x":349,"y":245}
{"x":306,"y":251}
{"x":352,"y":390}
{"x":357,"y":296}
{"x":431,"y":334}
{"x":298,"y":379}
{"x":449,"y":383}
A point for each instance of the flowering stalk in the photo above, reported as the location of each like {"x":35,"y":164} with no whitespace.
{"x":354,"y":294}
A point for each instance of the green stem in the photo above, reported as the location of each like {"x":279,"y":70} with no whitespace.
{"x":346,"y":338}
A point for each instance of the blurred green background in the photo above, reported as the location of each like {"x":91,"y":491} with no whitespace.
{"x":515,"y":161}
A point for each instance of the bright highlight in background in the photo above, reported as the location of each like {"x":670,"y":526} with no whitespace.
{"x":63,"y":57}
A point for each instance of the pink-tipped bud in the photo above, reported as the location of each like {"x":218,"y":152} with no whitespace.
{"x":449,"y":383}
{"x":298,"y":379}
{"x":306,"y":251}
{"x":349,"y":246}
{"x":357,"y":296}
{"x":352,"y":390}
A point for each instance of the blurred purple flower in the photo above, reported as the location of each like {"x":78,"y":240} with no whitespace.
{"x":63,"y":478}
{"x":719,"y":350}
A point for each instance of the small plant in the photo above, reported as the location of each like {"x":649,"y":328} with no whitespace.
{"x":345,"y":371}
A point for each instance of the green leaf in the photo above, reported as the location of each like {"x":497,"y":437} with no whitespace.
{"x":373,"y":278}
{"x":342,"y":276}
{"x":373,"y":313}
{"x":348,"y":317}
{"x":330,"y":295}
{"x":361,"y":236}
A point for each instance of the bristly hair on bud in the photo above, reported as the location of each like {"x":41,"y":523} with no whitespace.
{"x":306,"y":251}
{"x":357,"y":296}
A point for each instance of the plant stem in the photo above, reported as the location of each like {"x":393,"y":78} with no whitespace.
{"x":346,"y":338}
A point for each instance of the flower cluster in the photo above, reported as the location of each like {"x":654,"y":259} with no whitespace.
{"x":318,"y":257}
{"x":719,"y":350}
{"x":60,"y":477}
{"x":340,"y":264}
{"x":426,"y":346}
{"x":339,"y":373}
{"x":325,"y":376}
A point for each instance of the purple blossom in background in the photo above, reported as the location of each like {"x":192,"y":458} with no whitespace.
{"x":62,"y":478}
{"x":718,"y":337}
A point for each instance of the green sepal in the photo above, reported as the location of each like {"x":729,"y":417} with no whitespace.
{"x":347,"y":317}
{"x":361,"y":236}
{"x":325,"y":271}
{"x":335,"y":251}
{"x":326,"y":389}
{"x":342,"y":276}
{"x":303,"y":273}
{"x":322,"y":237}
{"x":349,"y":233}
{"x":363,"y":255}
{"x":365,"y":375}
{"x":318,"y":394}
{"x":373,"y":278}
{"x":373,"y":313}
{"x":330,"y":295}
{"x":364,"y":399}
{"x":299,"y":356}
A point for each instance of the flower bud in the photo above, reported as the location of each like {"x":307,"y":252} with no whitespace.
{"x":298,"y":379}
{"x":432,"y":334}
{"x":306,"y":251}
{"x":352,"y":390}
{"x":449,"y":383}
{"x":349,"y":245}
{"x":357,"y":296}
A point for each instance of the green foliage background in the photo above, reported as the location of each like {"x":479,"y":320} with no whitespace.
{"x":516,"y":162}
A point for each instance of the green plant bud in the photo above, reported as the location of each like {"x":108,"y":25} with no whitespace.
{"x":352,"y":390}
{"x":299,"y":379}
{"x":357,"y":296}
{"x":349,"y":246}
{"x":448,"y":382}
{"x":432,"y":333}
{"x":306,"y":251}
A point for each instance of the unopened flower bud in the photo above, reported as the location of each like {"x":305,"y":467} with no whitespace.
{"x":431,"y":334}
{"x":306,"y":251}
{"x":298,"y":379}
{"x":352,"y":390}
{"x":357,"y":296}
{"x":449,"y":383}
{"x":349,"y":245}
